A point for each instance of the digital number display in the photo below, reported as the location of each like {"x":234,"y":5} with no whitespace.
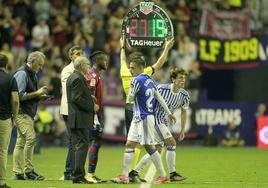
{"x":147,"y":26}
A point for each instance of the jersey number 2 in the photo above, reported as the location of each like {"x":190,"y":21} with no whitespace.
{"x":149,"y":93}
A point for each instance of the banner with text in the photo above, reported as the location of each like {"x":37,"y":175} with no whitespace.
{"x":200,"y":117}
{"x":225,"y":24}
{"x":226,"y":54}
{"x":217,"y":115}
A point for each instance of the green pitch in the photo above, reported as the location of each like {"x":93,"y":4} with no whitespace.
{"x":203,"y":167}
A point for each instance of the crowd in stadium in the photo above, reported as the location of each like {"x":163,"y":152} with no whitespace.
{"x":53,"y":26}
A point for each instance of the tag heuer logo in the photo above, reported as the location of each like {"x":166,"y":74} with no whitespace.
{"x":146,"y":7}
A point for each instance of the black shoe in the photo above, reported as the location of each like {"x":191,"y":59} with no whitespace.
{"x":174,"y":176}
{"x":18,"y":177}
{"x":68,"y":177}
{"x":4,"y":186}
{"x":34,"y":176}
{"x":135,"y":178}
{"x":81,"y":181}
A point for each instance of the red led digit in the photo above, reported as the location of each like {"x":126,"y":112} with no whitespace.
{"x":145,"y":25}
{"x":133,"y":27}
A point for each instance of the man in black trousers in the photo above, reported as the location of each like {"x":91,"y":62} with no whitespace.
{"x":80,"y":115}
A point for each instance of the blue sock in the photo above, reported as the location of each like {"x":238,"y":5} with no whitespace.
{"x":93,"y":153}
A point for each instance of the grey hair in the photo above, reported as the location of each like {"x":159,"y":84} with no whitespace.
{"x":35,"y":57}
{"x":79,"y":61}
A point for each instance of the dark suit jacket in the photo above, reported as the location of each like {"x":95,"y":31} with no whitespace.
{"x":80,"y":102}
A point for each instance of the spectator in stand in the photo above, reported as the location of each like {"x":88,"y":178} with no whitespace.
{"x":99,"y":35}
{"x":85,"y":42}
{"x":255,"y":22}
{"x":185,"y":57}
{"x":59,"y":30}
{"x":161,"y":76}
{"x":6,"y":25}
{"x":23,"y":9}
{"x":168,"y":6}
{"x":40,"y":34}
{"x":206,"y":4}
{"x":5,"y":50}
{"x":113,"y":6}
{"x":264,"y":16}
{"x":42,"y":9}
{"x":19,"y":39}
{"x":195,"y":19}
{"x":112,"y":90}
{"x":231,"y":137}
{"x":52,"y":80}
{"x":182,"y":12}
{"x":224,"y":5}
{"x":57,"y":57}
{"x":185,"y":54}
{"x":86,"y":21}
{"x":58,"y":7}
{"x":261,"y":110}
{"x":55,"y":82}
{"x":113,"y":46}
{"x":98,"y":10}
{"x":116,"y":19}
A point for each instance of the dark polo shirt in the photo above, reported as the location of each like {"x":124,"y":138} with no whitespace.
{"x":8,"y":85}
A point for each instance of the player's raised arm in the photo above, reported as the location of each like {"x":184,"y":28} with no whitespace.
{"x":164,"y":105}
{"x":160,"y":62}
{"x":123,"y":59}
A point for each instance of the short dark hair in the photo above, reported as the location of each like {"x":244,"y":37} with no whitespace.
{"x":175,"y":71}
{"x":72,"y":49}
{"x":3,"y":61}
{"x":134,"y":55}
{"x":96,"y":55}
{"x":139,"y":61}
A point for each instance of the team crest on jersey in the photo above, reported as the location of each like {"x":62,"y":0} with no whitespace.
{"x":92,"y":82}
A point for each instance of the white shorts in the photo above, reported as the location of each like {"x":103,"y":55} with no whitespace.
{"x":142,"y":131}
{"x":161,"y":132}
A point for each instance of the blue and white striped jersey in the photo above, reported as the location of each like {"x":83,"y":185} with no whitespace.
{"x":173,"y":100}
{"x":142,"y":90}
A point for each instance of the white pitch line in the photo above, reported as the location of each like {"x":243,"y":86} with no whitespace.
{"x":150,"y":174}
